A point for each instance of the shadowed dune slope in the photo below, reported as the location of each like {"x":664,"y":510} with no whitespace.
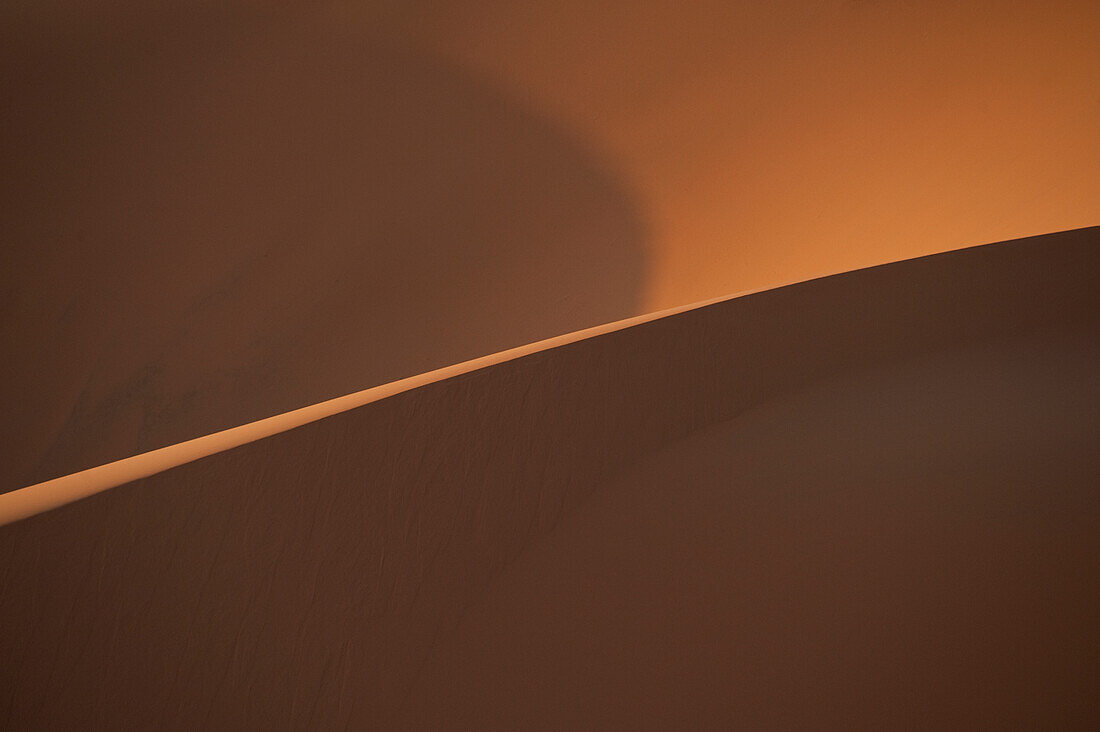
{"x":866,"y":500}
{"x":215,"y":214}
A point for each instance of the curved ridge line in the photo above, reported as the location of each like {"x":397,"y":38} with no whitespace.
{"x":56,"y":492}
{"x":40,"y":497}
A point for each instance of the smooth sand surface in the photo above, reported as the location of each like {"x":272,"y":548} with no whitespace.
{"x":216,"y":212}
{"x":30,"y":500}
{"x":913,"y":546}
{"x":868,"y":500}
{"x":770,"y":141}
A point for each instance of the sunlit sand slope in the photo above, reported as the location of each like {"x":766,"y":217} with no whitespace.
{"x":866,"y":500}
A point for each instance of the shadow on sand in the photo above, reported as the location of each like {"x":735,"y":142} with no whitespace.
{"x":216,"y":219}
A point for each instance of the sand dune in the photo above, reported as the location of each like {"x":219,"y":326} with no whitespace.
{"x":220,"y":210}
{"x":866,"y":500}
{"x":30,"y":500}
{"x":771,"y":141}
{"x":215,"y":213}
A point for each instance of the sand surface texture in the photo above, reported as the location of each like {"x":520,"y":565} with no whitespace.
{"x":868,"y":500}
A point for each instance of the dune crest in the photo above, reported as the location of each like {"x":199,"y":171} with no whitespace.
{"x":28,"y":501}
{"x":34,"y":499}
{"x":868,"y":499}
{"x":258,"y":211}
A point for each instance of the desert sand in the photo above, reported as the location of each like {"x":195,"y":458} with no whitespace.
{"x":769,"y":142}
{"x":867,"y":500}
{"x":21,"y":503}
{"x":216,"y":211}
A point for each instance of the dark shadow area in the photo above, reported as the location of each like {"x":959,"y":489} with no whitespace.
{"x":213,"y":216}
{"x":865,"y":501}
{"x":913,"y":546}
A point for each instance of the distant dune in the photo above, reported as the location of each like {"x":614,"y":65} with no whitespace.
{"x":869,"y":500}
{"x":215,"y":213}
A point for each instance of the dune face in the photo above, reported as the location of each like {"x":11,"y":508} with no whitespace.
{"x":916,"y":546}
{"x":868,"y":500}
{"x":776,"y":141}
{"x":213,"y":216}
{"x":216,"y":211}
